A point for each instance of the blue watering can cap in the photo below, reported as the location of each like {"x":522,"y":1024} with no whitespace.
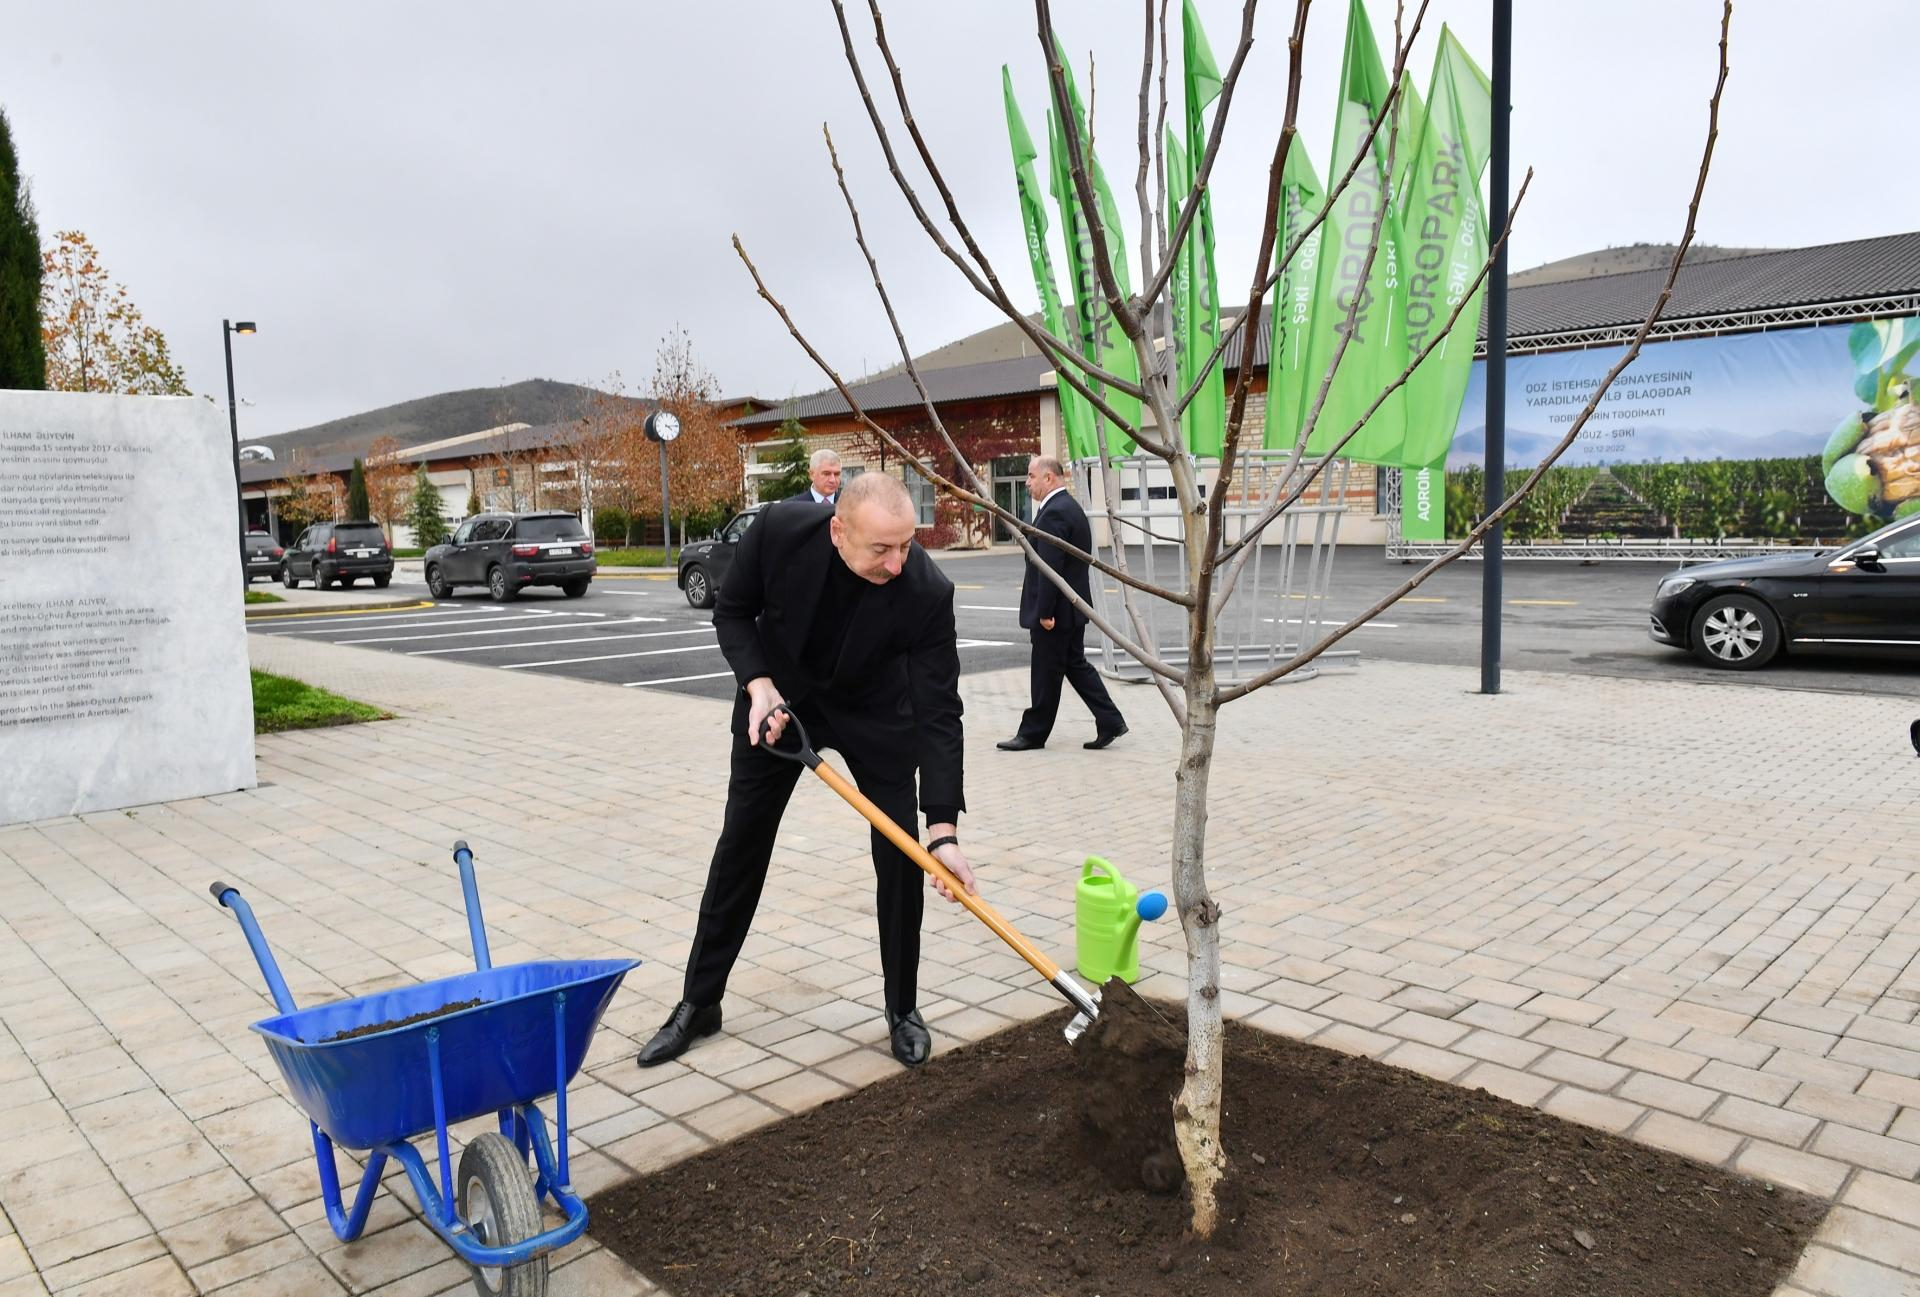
{"x":1151,"y":906}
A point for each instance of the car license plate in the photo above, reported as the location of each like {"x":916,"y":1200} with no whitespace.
{"x":363,"y":553}
{"x":562,"y":549}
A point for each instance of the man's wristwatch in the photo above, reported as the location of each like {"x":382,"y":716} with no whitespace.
{"x":948,"y":841}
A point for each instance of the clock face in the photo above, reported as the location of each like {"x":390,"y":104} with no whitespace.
{"x":664,"y":426}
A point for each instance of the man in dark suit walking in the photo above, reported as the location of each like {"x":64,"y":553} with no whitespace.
{"x":836,"y":613}
{"x":1057,"y":627}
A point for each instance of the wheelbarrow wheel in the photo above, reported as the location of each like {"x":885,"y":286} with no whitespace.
{"x":497,"y":1202}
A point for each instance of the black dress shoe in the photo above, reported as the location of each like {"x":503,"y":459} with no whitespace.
{"x":686,"y":1024}
{"x":1101,"y":740}
{"x":912,"y":1042}
{"x":1018,"y":743}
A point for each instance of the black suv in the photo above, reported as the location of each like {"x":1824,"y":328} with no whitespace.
{"x":704,"y":566}
{"x":507,"y":552}
{"x":263,"y":556}
{"x":338,"y":551}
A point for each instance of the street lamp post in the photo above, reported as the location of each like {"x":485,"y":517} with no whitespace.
{"x":227,"y":329}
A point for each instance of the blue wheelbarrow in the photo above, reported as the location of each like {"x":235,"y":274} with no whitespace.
{"x":375,"y":1071}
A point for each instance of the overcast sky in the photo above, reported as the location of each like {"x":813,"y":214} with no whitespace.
{"x":414,"y":197}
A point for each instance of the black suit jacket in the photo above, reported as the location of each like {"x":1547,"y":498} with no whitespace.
{"x":1062,"y":516}
{"x":894,"y":695}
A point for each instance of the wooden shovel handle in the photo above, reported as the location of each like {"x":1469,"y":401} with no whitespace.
{"x":923,"y":858}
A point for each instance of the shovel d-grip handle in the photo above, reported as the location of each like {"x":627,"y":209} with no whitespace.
{"x":1076,"y":994}
{"x":802,"y":752}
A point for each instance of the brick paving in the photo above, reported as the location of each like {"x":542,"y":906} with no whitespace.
{"x":1679,"y":911}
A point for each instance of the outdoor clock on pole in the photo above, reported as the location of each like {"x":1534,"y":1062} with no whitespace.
{"x":662,"y":426}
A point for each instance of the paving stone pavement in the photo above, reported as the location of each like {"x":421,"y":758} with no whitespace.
{"x":1683,"y":912}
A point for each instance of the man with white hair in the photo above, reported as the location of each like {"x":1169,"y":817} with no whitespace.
{"x":837,"y":614}
{"x":823,"y":473}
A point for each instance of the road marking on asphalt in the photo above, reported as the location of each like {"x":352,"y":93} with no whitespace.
{"x":1422,"y":598}
{"x":674,"y":680}
{"x":635,"y":576}
{"x":985,"y":607}
{"x":983,"y":643}
{"x":543,"y":643}
{"x":609,"y":657}
{"x":958,"y":586}
{"x":449,"y":620}
{"x":340,"y":612}
{"x":1546,"y":603}
{"x":1365,"y":625}
{"x":494,"y":629}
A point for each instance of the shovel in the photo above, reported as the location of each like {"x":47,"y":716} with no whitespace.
{"x":1085,"y":1000}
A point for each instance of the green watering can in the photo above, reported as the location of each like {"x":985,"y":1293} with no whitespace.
{"x":1107,"y":910}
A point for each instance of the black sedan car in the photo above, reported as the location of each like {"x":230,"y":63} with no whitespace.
{"x":508,"y":552}
{"x":1741,"y":613}
{"x":704,"y":565}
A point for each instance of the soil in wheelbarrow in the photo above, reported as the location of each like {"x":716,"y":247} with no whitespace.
{"x":1022,"y":1167}
{"x":375,"y":1028}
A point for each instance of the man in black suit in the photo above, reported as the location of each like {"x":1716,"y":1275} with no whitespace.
{"x":836,"y":613}
{"x":1059,"y":628}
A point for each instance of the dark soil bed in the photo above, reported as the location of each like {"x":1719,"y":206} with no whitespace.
{"x":1017,"y":1167}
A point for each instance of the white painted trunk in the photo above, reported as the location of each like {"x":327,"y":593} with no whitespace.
{"x":1196,"y":1112}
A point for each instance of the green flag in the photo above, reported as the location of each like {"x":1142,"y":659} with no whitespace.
{"x":1289,"y":387}
{"x":1099,"y":333}
{"x":1199,"y":314}
{"x":1445,"y":242}
{"x":1076,"y":416}
{"x":1378,"y":351}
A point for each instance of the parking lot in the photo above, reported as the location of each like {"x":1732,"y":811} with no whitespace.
{"x":636,"y":630}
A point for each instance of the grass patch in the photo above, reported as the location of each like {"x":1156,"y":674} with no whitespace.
{"x":283,"y":704}
{"x":622,"y":557}
{"x":409,"y":553}
{"x":261,"y":596}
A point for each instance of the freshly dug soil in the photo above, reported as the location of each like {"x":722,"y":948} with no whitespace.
{"x":1022,"y":1167}
{"x":374,"y":1028}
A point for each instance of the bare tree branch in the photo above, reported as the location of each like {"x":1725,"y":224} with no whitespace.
{"x":984,"y":281}
{"x":1494,"y":519}
{"x":1203,"y":165}
{"x":959,"y":492}
{"x":1269,"y":226}
{"x":1277,"y":503}
{"x":1246,"y":320}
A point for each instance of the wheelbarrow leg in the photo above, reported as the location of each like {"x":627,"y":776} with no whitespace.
{"x":346,"y":1227}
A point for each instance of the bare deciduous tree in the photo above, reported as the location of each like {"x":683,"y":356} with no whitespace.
{"x":1212,"y":564}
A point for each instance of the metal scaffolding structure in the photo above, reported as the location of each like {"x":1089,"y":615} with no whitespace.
{"x":1278,"y":605}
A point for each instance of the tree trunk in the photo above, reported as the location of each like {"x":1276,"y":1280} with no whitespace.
{"x":1196,"y":1112}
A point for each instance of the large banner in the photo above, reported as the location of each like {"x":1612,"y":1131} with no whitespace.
{"x":1805,"y":435}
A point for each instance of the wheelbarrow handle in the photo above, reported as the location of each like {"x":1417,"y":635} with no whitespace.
{"x":802,"y":753}
{"x":228,"y":896}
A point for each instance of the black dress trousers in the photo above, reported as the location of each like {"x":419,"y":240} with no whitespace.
{"x":1060,"y":654}
{"x":758,"y":789}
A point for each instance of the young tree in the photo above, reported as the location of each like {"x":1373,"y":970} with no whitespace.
{"x":611,"y":447}
{"x":1143,"y":379}
{"x":473,"y":502}
{"x":790,"y":461}
{"x":309,"y":497}
{"x":95,"y":337}
{"x":357,"y":506}
{"x":388,"y":482}
{"x":424,"y":514}
{"x":23,"y":352}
